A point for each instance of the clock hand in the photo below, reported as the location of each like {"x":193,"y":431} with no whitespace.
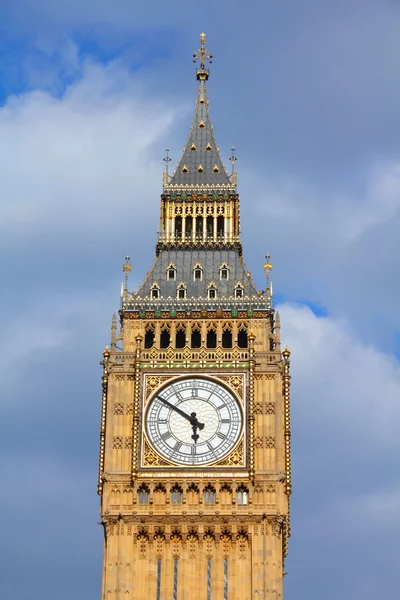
{"x":175,"y":408}
{"x":191,"y":418}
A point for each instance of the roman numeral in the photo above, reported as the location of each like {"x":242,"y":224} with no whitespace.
{"x":222,"y":406}
{"x":177,"y":446}
{"x":225,"y":420}
{"x":221,"y":435}
{"x":165,"y":436}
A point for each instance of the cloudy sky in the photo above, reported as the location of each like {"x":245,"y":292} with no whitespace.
{"x":91,"y":93}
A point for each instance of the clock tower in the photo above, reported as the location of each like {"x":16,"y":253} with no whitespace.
{"x":194,"y":468}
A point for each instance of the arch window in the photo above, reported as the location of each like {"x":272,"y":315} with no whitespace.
{"x":176,"y":494}
{"x":195,"y":338}
{"x":165,"y":338}
{"x":209,"y":494}
{"x":144,"y":494}
{"x":242,"y":495}
{"x":171,"y":273}
{"x":211,"y":338}
{"x":149,"y":336}
{"x":227,"y":338}
{"x":220,"y":226}
{"x":239,"y":291}
{"x":189,"y":226}
{"x":181,"y":291}
{"x":180,"y":337}
{"x":212,"y":292}
{"x":178,"y":227}
{"x":224,"y":272}
{"x":199,"y":227}
{"x":242,"y":338}
{"x":210,"y":227}
{"x":198,"y":272}
{"x":154,"y":292}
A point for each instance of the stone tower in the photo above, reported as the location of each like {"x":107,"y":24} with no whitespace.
{"x":194,"y":470}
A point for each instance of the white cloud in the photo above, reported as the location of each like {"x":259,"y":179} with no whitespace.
{"x":81,"y":162}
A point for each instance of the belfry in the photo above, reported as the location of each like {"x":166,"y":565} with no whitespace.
{"x":194,"y":467}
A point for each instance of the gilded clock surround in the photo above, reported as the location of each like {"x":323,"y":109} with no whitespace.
{"x":221,"y":530}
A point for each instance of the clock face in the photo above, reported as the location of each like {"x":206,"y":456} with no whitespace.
{"x":193,"y":421}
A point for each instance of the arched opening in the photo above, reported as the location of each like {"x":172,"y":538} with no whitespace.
{"x":178,"y":227}
{"x":210,"y":227}
{"x":196,"y":339}
{"x":155,"y":293}
{"x":242,"y":495}
{"x":180,"y":339}
{"x":144,"y":494}
{"x":199,"y":227}
{"x":171,"y":273}
{"x":209,"y":495}
{"x":220,"y":226}
{"x":189,"y":227}
{"x":242,"y":338}
{"x":165,"y":339}
{"x":211,"y":339}
{"x":149,"y":338}
{"x":212,"y":293}
{"x":181,"y":292}
{"x":239,"y":292}
{"x":176,"y":494}
{"x":227,"y":339}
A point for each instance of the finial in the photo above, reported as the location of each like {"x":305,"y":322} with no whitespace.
{"x":267,"y":268}
{"x":233,"y":159}
{"x":167,"y":160}
{"x":202,"y":55}
{"x":127,"y":267}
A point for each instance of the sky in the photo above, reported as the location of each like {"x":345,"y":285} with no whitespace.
{"x":91,"y":94}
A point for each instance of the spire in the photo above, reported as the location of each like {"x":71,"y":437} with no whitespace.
{"x":200,"y":163}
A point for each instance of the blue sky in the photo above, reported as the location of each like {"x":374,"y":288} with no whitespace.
{"x":90,"y":96}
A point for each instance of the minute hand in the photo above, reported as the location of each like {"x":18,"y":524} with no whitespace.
{"x":176,"y":409}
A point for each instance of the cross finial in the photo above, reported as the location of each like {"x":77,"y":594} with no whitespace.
{"x":127,"y":267}
{"x":167,"y":160}
{"x":202,"y":55}
{"x":267,"y":266}
{"x":233,"y":159}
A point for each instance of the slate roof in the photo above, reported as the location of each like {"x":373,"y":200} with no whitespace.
{"x":211,"y":261}
{"x":200,"y":163}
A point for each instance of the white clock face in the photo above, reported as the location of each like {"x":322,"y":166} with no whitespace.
{"x":193,"y":421}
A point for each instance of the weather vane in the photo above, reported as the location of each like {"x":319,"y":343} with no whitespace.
{"x":202,"y":54}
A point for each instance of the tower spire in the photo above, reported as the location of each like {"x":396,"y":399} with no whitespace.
{"x":200,"y":164}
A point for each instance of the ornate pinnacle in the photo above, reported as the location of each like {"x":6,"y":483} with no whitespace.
{"x":202,"y":55}
{"x":127,"y":267}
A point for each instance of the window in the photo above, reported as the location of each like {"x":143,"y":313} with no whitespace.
{"x":197,"y":272}
{"x":176,"y":494}
{"x":242,"y":338}
{"x":180,"y":338}
{"x":212,"y":293}
{"x":196,"y":339}
{"x":209,"y":495}
{"x":242,"y":495}
{"x":178,"y":227}
{"x":211,"y":339}
{"x":224,"y":272}
{"x":181,"y":293}
{"x":239,"y":292}
{"x":155,"y":293}
{"x":220,"y":226}
{"x":165,"y":338}
{"x":171,"y":274}
{"x":210,"y":227}
{"x":149,"y":337}
{"x":199,"y":227}
{"x":144,"y":493}
{"x":227,"y":338}
{"x":189,"y":227}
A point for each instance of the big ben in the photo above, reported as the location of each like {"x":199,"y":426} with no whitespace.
{"x":195,"y":468}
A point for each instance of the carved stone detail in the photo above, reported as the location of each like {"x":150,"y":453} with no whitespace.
{"x":118,"y":408}
{"x":235,"y":458}
{"x":117,"y":442}
{"x":270,"y":442}
{"x":151,"y":458}
{"x":235,"y":382}
{"x":270,"y":408}
{"x":129,"y":409}
{"x":154,"y":381}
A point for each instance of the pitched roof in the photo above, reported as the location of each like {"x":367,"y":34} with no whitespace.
{"x":200,"y":163}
